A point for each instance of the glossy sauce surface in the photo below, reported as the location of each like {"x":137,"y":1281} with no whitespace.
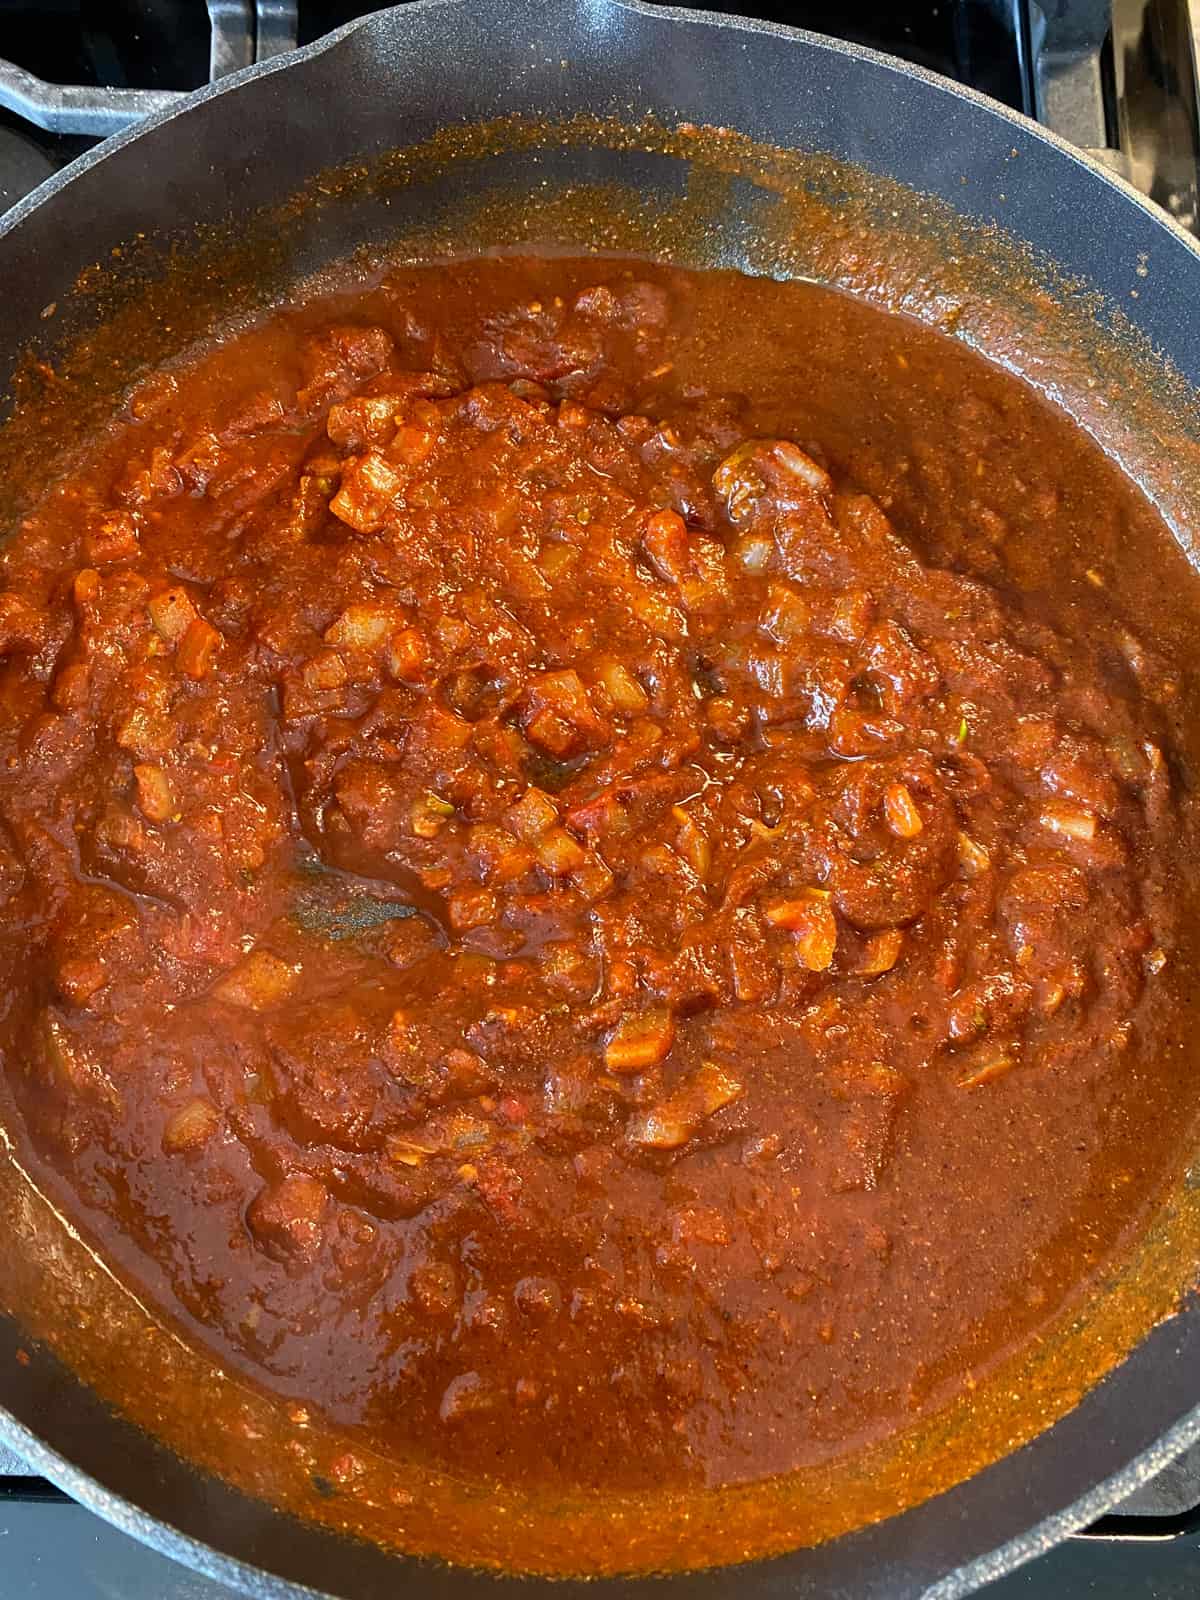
{"x":592,"y":865}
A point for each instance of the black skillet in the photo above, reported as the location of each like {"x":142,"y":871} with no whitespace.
{"x":391,"y":80}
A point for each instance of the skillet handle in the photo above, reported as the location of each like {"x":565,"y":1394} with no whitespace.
{"x":1128,"y":1529}
{"x":242,"y":33}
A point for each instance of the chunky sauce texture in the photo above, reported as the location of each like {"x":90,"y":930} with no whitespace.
{"x":589,"y":866}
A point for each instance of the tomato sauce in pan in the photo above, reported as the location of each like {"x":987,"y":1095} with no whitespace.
{"x":591,"y":864}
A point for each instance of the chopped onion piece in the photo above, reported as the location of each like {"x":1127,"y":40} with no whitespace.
{"x":753,"y":552}
{"x":198,"y":648}
{"x":531,"y":815}
{"x":625,"y":692}
{"x":325,"y":671}
{"x":995,"y":1064}
{"x":640,"y":1040}
{"x":262,"y":980}
{"x":972,"y":857}
{"x":407,"y":656}
{"x":1068,"y":820}
{"x":155,"y":797}
{"x":900,"y":811}
{"x":593,"y":879}
{"x":881,"y":952}
{"x":559,"y":853}
{"x":472,"y":908}
{"x":172,"y":613}
{"x":361,"y":627}
{"x":692,"y":843}
{"x":810,"y":917}
{"x":792,"y":459}
{"x":556,"y":559}
{"x":190,"y":1127}
{"x":665,"y":542}
{"x":674,"y":1120}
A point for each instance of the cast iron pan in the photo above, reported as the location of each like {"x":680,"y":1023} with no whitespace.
{"x":392,"y":80}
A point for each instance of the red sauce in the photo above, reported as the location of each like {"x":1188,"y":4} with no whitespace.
{"x":588,"y":864}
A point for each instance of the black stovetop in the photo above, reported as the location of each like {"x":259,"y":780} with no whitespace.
{"x":1017,"y":50}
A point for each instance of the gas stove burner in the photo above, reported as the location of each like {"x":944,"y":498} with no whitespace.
{"x":240,"y":34}
{"x":1120,"y":79}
